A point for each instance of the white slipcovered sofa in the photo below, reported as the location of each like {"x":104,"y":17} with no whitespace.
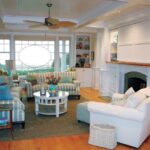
{"x":131,"y":120}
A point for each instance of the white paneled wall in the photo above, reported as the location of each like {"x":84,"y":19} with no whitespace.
{"x":134,"y":42}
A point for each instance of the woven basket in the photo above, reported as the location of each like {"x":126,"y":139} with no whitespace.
{"x":103,"y":135}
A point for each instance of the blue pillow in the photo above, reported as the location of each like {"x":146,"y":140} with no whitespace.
{"x":5,"y":94}
{"x":66,"y":80}
{"x":1,"y":79}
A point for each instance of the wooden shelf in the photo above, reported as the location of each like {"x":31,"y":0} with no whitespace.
{"x":7,"y":126}
{"x":129,"y":63}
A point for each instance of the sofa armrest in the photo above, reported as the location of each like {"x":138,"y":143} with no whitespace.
{"x":117,"y":111}
{"x":16,"y":103}
{"x":77,"y":83}
{"x":28,"y":86}
{"x":18,"y":114}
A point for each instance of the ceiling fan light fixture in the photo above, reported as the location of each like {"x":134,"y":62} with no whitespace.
{"x":49,"y":4}
{"x":53,"y":23}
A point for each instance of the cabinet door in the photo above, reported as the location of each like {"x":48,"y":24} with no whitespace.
{"x":80,"y":76}
{"x":87,"y":77}
{"x":84,"y":75}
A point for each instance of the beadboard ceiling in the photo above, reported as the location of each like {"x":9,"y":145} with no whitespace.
{"x":91,"y":13}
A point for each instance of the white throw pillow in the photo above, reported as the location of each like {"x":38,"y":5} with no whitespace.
{"x":118,"y":99}
{"x":142,"y":106}
{"x":135,"y":99}
{"x":129,"y":92}
{"x":145,"y":91}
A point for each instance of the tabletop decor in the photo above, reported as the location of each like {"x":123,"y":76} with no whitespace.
{"x":52,"y":81}
{"x":43,"y":91}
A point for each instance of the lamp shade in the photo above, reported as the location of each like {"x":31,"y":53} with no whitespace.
{"x":10,"y":64}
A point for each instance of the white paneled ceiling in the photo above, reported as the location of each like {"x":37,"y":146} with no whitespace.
{"x":83,"y":12}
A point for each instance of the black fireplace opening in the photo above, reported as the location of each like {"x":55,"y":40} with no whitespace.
{"x":136,"y":80}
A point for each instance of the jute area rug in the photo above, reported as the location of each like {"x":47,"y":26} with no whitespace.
{"x":44,"y":126}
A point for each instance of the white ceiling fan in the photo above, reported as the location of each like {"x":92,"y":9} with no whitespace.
{"x":51,"y":23}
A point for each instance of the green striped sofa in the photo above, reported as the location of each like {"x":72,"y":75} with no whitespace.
{"x":73,"y":88}
{"x":18,"y":113}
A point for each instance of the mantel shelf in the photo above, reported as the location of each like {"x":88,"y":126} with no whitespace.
{"x":129,"y":63}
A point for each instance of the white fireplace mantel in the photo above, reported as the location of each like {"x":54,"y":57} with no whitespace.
{"x":112,"y":78}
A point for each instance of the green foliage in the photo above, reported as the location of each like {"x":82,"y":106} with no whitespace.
{"x":24,"y":72}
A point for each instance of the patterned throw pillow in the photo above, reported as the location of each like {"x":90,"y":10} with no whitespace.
{"x":5,"y":93}
{"x":135,"y":99}
{"x":129,"y":92}
{"x":66,"y":80}
{"x":32,"y":79}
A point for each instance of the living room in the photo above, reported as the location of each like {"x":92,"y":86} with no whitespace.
{"x":104,"y":42}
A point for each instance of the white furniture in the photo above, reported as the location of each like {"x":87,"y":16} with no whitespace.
{"x":84,"y":76}
{"x":132,"y":124}
{"x":59,"y":102}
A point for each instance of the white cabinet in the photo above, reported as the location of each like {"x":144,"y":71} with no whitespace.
{"x":84,"y":75}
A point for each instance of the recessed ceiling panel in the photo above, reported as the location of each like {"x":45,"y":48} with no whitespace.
{"x":72,"y":9}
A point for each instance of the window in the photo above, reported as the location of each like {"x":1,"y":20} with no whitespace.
{"x":34,"y":55}
{"x":4,"y":50}
{"x":114,"y":44}
{"x":64,"y":54}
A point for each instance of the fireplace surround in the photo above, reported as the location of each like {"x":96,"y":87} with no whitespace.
{"x":114,"y":77}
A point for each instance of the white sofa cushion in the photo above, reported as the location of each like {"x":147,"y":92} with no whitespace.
{"x":118,"y":99}
{"x":145,"y":91}
{"x":129,"y":92}
{"x":121,"y":99}
{"x":135,"y":99}
{"x":142,"y":107}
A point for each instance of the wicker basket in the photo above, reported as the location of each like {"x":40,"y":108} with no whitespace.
{"x":103,"y":135}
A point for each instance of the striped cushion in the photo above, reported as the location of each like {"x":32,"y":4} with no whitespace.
{"x":18,"y":110}
{"x":37,"y":87}
{"x":66,"y":86}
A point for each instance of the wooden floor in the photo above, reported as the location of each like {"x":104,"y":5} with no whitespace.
{"x":73,"y":142}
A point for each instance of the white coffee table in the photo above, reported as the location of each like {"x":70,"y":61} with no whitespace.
{"x":59,"y":102}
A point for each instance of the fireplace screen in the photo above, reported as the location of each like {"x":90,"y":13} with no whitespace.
{"x":136,"y":80}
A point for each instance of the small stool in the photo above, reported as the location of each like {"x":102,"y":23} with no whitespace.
{"x":103,"y":135}
{"x":82,"y":112}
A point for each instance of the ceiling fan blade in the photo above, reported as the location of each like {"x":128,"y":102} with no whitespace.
{"x":37,"y":25}
{"x":33,"y":22}
{"x":66,"y":24}
{"x":54,"y":27}
{"x":52,"y":21}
